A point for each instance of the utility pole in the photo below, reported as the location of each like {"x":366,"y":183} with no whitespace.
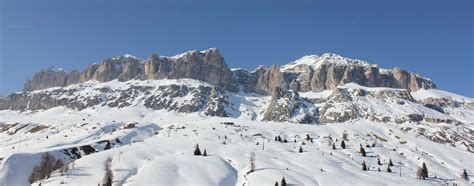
{"x":19,"y":144}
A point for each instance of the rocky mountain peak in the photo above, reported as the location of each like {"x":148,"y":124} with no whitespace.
{"x":309,"y":73}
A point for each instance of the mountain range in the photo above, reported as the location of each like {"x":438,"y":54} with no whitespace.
{"x":327,"y":90}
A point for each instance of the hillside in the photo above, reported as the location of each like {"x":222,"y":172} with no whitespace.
{"x":159,"y":150}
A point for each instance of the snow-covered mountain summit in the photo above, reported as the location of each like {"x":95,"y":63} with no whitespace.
{"x":315,"y":61}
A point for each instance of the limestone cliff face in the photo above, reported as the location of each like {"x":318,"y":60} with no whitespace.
{"x":265,"y":80}
{"x":310,"y":73}
{"x":329,"y":71}
{"x":45,"y":79}
{"x":208,"y":66}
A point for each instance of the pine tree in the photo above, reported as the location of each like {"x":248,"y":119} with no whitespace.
{"x":464,"y":175}
{"x":197,"y":151}
{"x":333,"y":146}
{"x":362,"y":151}
{"x":283,"y":182}
{"x":378,"y":169}
{"x":388,"y":169}
{"x":424,"y":170}
{"x":300,"y":150}
{"x":285,"y":141}
{"x":204,"y":153}
{"x":390,"y":162}
{"x":378,"y":161}
{"x":276,"y":183}
{"x":343,"y":144}
{"x":276,"y":138}
{"x":364,"y":166}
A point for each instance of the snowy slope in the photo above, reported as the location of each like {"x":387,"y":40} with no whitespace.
{"x":159,"y":150}
{"x":437,"y":94}
{"x":456,"y":106}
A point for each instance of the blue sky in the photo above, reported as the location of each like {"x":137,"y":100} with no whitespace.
{"x":432,"y":38}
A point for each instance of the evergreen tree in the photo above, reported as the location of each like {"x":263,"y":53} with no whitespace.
{"x":276,"y":183}
{"x":424,"y":170}
{"x":362,"y":151}
{"x":378,"y":169}
{"x":378,"y":161}
{"x":464,"y":175}
{"x":388,"y":169}
{"x":333,"y":146}
{"x":390,"y":162}
{"x":343,"y":144}
{"x":285,"y":141}
{"x":276,"y":138}
{"x":283,"y":182}
{"x":300,"y":150}
{"x":364,"y":166}
{"x":204,"y":153}
{"x":197,"y":151}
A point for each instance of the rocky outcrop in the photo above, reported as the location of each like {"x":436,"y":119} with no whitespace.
{"x":265,"y":80}
{"x":208,"y":66}
{"x":310,"y":73}
{"x":46,"y":78}
{"x":288,"y":106}
{"x":330,"y":76}
{"x":73,"y":77}
{"x":381,"y":105}
{"x":209,"y":100}
{"x":330,"y":71}
{"x":216,"y":104}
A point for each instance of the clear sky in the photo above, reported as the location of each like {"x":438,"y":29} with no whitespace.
{"x":432,"y":38}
